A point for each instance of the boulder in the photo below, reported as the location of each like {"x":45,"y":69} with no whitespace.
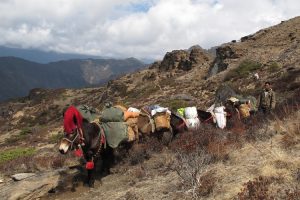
{"x":34,"y":186}
{"x":223,"y":93}
{"x":21,"y":176}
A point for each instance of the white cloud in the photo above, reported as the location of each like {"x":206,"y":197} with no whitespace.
{"x":123,"y":28}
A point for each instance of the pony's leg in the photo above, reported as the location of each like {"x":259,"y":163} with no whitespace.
{"x":91,"y":178}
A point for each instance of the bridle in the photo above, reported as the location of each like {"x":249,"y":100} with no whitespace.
{"x":74,"y":139}
{"x":101,"y":139}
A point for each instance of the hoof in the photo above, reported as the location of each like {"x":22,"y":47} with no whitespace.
{"x":86,"y":184}
{"x":89,"y":183}
{"x":92,"y":184}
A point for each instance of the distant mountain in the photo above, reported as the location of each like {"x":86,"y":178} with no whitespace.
{"x":18,"y":76}
{"x":39,"y":56}
{"x":147,"y":60}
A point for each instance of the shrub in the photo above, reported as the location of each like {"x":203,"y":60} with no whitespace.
{"x":245,"y":67}
{"x":22,"y":135}
{"x":263,"y":188}
{"x":55,"y":138}
{"x":175,"y":104}
{"x":292,"y":134}
{"x":207,"y":184}
{"x":15,"y":153}
{"x":27,"y":121}
{"x":57,"y":162}
{"x":190,"y":167}
{"x":20,"y":164}
{"x":292,"y":194}
{"x":153,"y":143}
{"x":273,"y":67}
{"x":256,"y":189}
{"x":49,"y":162}
{"x":138,"y":154}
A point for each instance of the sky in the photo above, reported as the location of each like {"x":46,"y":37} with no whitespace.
{"x":135,"y":28}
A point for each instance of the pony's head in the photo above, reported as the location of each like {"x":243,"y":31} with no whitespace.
{"x":72,"y":127}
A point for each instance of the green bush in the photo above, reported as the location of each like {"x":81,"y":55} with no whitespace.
{"x":245,"y":67}
{"x":175,"y":104}
{"x":15,"y":153}
{"x":273,"y":67}
{"x":25,"y":131}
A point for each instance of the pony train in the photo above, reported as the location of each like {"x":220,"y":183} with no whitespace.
{"x":94,"y":135}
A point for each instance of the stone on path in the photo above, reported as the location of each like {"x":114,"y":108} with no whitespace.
{"x":21,"y":176}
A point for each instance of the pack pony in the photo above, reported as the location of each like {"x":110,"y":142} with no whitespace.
{"x":79,"y":134}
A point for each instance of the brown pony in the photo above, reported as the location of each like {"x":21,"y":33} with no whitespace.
{"x":92,"y":147}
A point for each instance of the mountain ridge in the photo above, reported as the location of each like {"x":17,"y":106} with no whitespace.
{"x":40,"y":56}
{"x":18,"y":75}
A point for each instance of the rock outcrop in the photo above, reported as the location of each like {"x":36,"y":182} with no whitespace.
{"x":183,"y":60}
{"x":34,"y":186}
{"x":223,"y":54}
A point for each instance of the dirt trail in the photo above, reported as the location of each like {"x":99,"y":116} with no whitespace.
{"x":150,"y":180}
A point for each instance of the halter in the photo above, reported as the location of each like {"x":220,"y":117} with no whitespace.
{"x":72,"y":141}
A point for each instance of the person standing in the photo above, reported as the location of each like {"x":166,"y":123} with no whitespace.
{"x":266,"y":100}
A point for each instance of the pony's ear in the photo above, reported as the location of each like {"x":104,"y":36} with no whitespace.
{"x":64,"y":111}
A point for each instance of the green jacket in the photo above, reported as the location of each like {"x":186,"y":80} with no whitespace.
{"x":267,"y":99}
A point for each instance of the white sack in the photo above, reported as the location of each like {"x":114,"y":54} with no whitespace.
{"x":192,"y":124}
{"x":190,"y":112}
{"x":220,"y":115}
{"x":131,"y":109}
{"x":160,"y":110}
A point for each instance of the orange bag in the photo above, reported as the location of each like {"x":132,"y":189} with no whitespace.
{"x":131,"y":134}
{"x":162,"y":121}
{"x":244,"y":110}
{"x":130,"y":115}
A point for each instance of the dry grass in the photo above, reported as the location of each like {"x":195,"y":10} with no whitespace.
{"x":291,"y":130}
{"x":138,"y":154}
{"x":264,"y":146}
{"x":32,"y":163}
{"x":261,"y":158}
